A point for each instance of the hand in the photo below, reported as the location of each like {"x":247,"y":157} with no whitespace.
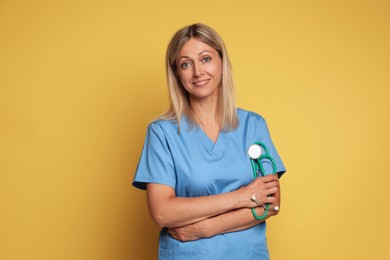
{"x":260,"y":187}
{"x":190,"y":232}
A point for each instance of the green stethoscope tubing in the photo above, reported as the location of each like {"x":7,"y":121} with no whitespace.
{"x":258,"y":166}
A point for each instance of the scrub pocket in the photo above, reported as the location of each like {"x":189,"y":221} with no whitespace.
{"x":183,"y":255}
{"x":258,"y":251}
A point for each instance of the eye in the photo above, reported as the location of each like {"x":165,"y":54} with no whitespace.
{"x":185,"y":65}
{"x":206,"y":59}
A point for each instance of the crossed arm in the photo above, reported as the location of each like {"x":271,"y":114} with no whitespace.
{"x":194,"y":218}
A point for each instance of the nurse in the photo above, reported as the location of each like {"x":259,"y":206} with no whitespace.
{"x":194,"y":164}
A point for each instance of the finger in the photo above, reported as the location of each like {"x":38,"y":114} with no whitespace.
{"x":270,"y":200}
{"x":262,"y":180}
{"x":173,"y":233}
{"x":267,"y":200}
{"x":271,"y":184}
{"x":268,"y":178}
{"x":263,"y":200}
{"x":271,"y":191}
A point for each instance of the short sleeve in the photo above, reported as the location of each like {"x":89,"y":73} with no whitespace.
{"x":156,"y":164}
{"x":265,"y":138}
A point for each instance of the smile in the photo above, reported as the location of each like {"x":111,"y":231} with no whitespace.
{"x":201,"y":83}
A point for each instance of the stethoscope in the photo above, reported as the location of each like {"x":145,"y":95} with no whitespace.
{"x":257,"y":153}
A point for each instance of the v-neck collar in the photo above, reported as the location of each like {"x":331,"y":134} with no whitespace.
{"x":203,"y":137}
{"x":207,"y":142}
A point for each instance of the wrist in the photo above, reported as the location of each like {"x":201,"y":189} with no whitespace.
{"x":205,"y":230}
{"x":240,"y":201}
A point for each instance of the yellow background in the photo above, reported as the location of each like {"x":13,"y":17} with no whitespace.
{"x":80,"y":80}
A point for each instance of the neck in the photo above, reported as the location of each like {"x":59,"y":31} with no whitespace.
{"x":207,"y":117}
{"x":205,"y":111}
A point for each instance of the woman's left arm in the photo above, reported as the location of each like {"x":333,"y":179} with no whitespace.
{"x":231,"y":221}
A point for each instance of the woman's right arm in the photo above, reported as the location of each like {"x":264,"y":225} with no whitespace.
{"x":168,"y":210}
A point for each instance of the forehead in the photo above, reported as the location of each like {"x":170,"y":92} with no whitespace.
{"x":195,"y":47}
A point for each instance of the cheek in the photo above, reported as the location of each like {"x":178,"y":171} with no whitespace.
{"x":217,"y":70}
{"x":179,"y":78}
{"x":185,"y":78}
{"x":182,"y":80}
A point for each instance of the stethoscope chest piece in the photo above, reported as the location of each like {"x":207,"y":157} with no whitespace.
{"x":254,"y":151}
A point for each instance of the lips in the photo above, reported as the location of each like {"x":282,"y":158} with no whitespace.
{"x":201,"y":83}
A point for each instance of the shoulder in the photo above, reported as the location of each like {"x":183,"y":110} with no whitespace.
{"x":162,"y":123}
{"x":162,"y":127}
{"x":249,"y":116}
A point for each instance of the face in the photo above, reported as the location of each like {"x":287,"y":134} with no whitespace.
{"x":199,"y":69}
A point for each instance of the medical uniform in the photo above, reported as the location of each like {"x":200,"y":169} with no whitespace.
{"x":194,"y":166}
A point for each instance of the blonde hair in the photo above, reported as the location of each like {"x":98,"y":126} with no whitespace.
{"x":179,"y":100}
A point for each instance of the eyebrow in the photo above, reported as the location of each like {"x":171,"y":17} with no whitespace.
{"x":200,"y":53}
{"x":203,"y":51}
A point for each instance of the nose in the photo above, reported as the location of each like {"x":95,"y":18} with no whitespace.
{"x":197,"y":70}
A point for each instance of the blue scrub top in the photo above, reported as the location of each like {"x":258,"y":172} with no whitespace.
{"x":194,"y":166}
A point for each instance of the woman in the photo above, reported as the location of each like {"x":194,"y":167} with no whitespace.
{"x":194,"y":164}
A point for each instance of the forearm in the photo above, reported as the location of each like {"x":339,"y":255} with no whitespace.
{"x":239,"y":219}
{"x":179,"y":211}
{"x":235,"y":220}
{"x":168,"y":210}
{"x":231,"y":221}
